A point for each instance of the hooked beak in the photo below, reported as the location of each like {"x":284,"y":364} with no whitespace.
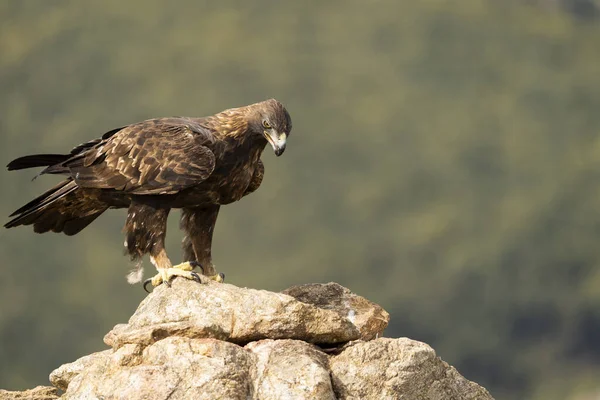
{"x":277,"y":142}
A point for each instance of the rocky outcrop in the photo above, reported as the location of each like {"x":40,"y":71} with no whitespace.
{"x":218,"y":341}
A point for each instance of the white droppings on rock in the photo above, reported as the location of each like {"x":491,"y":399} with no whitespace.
{"x":351,"y":316}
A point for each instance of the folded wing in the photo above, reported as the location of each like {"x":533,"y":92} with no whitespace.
{"x":160,"y":156}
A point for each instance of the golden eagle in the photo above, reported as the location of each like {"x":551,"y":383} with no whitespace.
{"x":196,"y":164}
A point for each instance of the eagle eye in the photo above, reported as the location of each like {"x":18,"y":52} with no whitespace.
{"x":266,"y":124}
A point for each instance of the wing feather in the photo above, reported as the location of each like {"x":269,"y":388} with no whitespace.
{"x":159,"y":156}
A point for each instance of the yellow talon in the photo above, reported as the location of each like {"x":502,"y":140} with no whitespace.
{"x":185,"y":266}
{"x":184,"y":270}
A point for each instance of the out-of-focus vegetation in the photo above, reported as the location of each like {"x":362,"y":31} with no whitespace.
{"x":444,"y":162}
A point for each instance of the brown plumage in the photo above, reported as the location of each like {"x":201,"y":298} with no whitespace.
{"x":197,"y":164}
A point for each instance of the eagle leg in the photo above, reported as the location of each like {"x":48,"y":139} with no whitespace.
{"x":199,"y":224}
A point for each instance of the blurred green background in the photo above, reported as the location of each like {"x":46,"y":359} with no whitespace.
{"x":444,"y":162}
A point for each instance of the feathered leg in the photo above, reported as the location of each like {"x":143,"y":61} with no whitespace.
{"x":146,"y":229}
{"x":199,"y":224}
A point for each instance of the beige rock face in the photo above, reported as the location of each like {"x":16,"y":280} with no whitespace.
{"x":290,"y":369}
{"x":219,"y":341}
{"x":65,"y":373}
{"x":398,"y":368}
{"x":172,"y":368}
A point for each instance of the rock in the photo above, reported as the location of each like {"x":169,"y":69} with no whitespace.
{"x":290,"y":369}
{"x":65,"y":373}
{"x":179,"y":368}
{"x":234,"y":314}
{"x":368,"y":317}
{"x":398,"y":368}
{"x":38,"y":393}
{"x":173,"y":368}
{"x":219,"y":341}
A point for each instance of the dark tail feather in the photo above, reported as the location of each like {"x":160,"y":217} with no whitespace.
{"x":51,"y":160}
{"x":58,"y":191}
{"x":37,"y":160}
{"x":52,"y":220}
{"x":61,"y":209}
{"x":74,"y":226}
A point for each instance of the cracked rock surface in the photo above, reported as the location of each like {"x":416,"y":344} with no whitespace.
{"x":219,"y":341}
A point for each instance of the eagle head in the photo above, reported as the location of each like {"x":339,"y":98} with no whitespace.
{"x":273,"y":122}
